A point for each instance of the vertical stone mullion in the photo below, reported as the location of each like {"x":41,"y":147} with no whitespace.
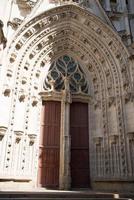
{"x":65,"y":146}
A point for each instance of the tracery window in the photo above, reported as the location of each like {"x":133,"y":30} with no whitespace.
{"x":65,"y":66}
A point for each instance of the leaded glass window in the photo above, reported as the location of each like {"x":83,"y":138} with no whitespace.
{"x":65,"y":66}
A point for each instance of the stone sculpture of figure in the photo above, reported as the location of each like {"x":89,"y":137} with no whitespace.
{"x":3,"y":40}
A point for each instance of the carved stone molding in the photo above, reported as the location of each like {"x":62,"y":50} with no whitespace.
{"x":51,"y":95}
{"x":82,"y":98}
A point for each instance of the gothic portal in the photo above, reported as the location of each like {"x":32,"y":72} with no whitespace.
{"x":66,"y":95}
{"x":64,"y":143}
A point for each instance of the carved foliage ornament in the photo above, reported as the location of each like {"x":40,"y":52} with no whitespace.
{"x":66,"y":67}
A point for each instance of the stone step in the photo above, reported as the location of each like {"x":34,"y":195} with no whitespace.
{"x":129,"y":195}
{"x":61,"y":198}
{"x":55,"y":195}
{"x":60,"y":195}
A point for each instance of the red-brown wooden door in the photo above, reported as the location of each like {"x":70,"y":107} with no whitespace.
{"x":49,"y":149}
{"x":79,"y":145}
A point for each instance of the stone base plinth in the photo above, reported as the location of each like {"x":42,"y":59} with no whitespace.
{"x":113,"y":186}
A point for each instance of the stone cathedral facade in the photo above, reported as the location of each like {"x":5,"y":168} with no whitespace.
{"x":67,"y":94}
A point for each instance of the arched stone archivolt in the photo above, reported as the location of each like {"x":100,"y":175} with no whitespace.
{"x":35,"y":51}
{"x":70,"y":30}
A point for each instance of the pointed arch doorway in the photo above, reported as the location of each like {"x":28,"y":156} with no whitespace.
{"x":64,"y":141}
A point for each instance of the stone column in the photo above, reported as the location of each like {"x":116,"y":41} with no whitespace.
{"x":112,"y":118}
{"x":129,"y":116}
{"x":64,"y":179}
{"x":107,"y":5}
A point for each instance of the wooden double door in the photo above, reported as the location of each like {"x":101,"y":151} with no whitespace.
{"x":49,"y":148}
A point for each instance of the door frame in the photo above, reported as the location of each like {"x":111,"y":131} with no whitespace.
{"x":65,"y":181}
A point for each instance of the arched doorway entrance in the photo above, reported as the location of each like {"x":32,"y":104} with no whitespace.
{"x":64,"y":142}
{"x":72,"y":30}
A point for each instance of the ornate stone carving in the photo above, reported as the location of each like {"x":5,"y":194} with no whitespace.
{"x":19,"y":135}
{"x":22,"y":94}
{"x":32,"y":138}
{"x":66,"y":67}
{"x":112,"y":101}
{"x":25,"y":3}
{"x":129,"y":96}
{"x":6,"y":90}
{"x":3,"y":130}
{"x":131,"y":136}
{"x":97,"y":105}
{"x":15,"y":23}
{"x":13,"y":57}
{"x":113,"y":138}
{"x":34,"y":101}
{"x":97,"y":140}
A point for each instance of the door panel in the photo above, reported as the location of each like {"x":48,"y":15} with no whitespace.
{"x":49,"y":154}
{"x":79,"y":145}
